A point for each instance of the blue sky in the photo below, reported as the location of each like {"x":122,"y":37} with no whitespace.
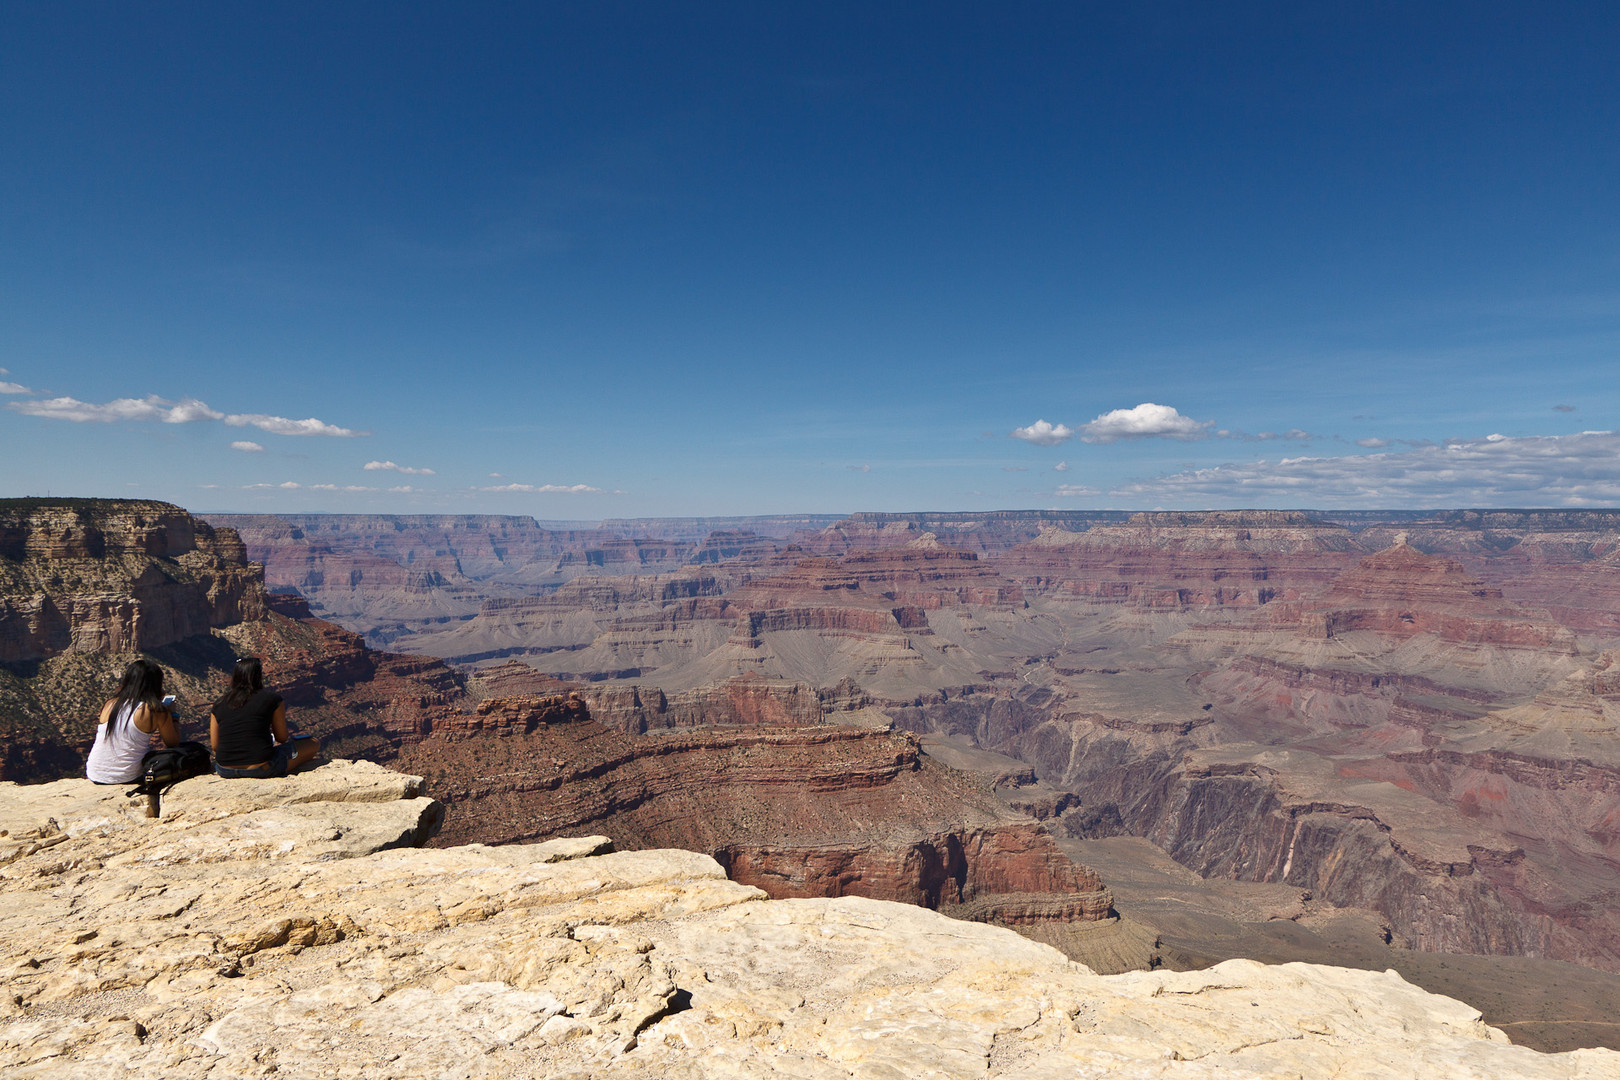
{"x":614,"y":260}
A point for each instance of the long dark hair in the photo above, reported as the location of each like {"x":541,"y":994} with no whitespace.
{"x":246,"y":680}
{"x":142,"y":685}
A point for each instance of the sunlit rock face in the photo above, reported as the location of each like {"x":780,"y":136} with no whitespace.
{"x":88,"y":575}
{"x":292,"y":928}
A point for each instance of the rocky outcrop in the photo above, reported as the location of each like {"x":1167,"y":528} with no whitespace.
{"x":266,"y":927}
{"x":797,"y":809}
{"x":1009,"y":874}
{"x":746,"y":701}
{"x":114,"y":575}
{"x":922,"y":574}
{"x":727,"y":545}
{"x":987,"y":534}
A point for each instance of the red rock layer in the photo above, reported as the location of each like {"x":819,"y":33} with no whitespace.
{"x":1174,"y":561}
{"x":746,"y":701}
{"x":1401,"y":592}
{"x":801,"y":810}
{"x":925,"y":578}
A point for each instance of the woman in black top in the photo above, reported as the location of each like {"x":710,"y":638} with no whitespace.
{"x":248,"y":729}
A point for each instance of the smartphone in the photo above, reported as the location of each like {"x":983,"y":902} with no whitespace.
{"x":168,"y":702}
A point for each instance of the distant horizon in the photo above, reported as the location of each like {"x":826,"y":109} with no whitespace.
{"x":562,"y":524}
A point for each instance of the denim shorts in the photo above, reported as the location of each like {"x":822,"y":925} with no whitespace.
{"x":276,"y":766}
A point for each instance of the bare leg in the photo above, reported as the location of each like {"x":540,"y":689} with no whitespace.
{"x":304,"y":753}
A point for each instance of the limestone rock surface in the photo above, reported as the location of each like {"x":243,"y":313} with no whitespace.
{"x":289,"y":928}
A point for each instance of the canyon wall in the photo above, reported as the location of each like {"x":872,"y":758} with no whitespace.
{"x":792,"y":805}
{"x":115,"y":576}
{"x":87,"y":585}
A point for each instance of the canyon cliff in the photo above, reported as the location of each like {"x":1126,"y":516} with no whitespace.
{"x":87,"y":585}
{"x":797,"y":807}
{"x":91,"y":576}
{"x":1410,"y":716}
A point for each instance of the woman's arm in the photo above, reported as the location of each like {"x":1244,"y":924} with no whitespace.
{"x":278,"y":722}
{"x":168,"y":728}
{"x":213,"y":733}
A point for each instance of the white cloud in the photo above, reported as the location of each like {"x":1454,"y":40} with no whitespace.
{"x":185,"y":411}
{"x":247,"y":447}
{"x":190,"y":410}
{"x":389,"y":466}
{"x":13,"y":388}
{"x":1373,"y":444}
{"x":1145,"y":421}
{"x":1499,"y":470}
{"x":403,"y":489}
{"x":1062,"y":466}
{"x":547,"y":489}
{"x":859,"y":468}
{"x":1068,"y":491}
{"x":280,"y":425}
{"x":497,"y":476}
{"x":1043,"y":434}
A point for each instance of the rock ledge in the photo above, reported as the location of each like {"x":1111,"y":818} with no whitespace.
{"x":293,"y":928}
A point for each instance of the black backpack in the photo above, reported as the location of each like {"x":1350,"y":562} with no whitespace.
{"x":162,"y":769}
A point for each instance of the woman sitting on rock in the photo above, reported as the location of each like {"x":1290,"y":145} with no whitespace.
{"x":127,"y":724}
{"x":248,"y":729}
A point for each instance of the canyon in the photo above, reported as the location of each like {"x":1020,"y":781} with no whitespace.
{"x":753,"y":772}
{"x":1375,"y":739}
{"x":1411,"y":714}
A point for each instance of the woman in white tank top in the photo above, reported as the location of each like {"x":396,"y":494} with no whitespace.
{"x":128,"y":722}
